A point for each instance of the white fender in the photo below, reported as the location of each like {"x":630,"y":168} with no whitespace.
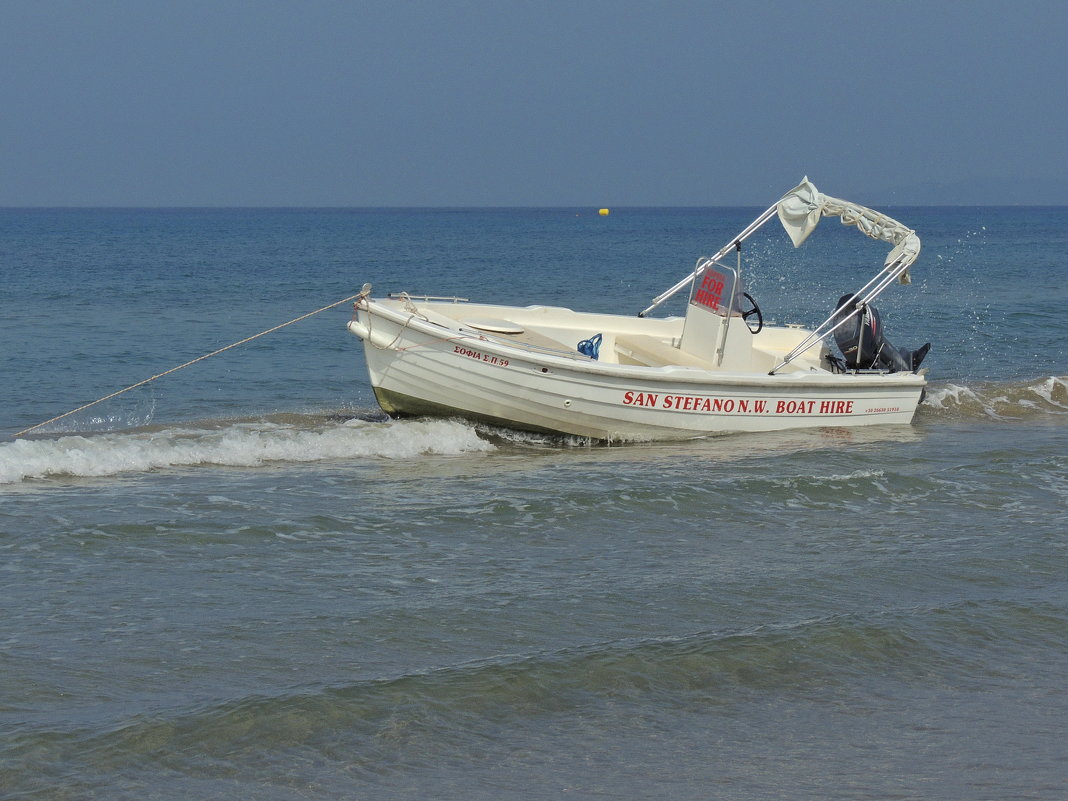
{"x":358,"y":328}
{"x":374,"y":337}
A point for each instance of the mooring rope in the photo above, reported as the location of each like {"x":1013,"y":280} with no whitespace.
{"x":362,"y":293}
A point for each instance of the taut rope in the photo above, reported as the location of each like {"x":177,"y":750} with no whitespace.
{"x":363,"y":293}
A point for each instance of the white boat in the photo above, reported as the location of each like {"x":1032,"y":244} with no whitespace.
{"x":718,"y":369}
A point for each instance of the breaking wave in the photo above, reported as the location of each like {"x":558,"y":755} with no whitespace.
{"x":1046,"y":397}
{"x":234,"y":444}
{"x":311,"y":438}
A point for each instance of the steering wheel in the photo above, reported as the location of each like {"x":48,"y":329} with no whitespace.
{"x":753,"y":311}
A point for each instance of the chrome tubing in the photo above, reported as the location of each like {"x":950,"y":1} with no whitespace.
{"x":749,"y":230}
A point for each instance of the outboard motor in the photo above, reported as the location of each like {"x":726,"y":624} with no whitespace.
{"x":863,"y":345}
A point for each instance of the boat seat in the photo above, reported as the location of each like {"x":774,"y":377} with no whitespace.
{"x":652,"y":352}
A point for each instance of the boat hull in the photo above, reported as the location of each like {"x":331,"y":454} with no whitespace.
{"x":417,"y":369}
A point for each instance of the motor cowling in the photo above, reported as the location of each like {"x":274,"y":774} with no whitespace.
{"x":863,"y":345}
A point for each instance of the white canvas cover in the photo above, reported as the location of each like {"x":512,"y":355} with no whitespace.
{"x":801,"y":209}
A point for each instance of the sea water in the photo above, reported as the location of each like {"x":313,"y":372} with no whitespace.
{"x":241,"y":580}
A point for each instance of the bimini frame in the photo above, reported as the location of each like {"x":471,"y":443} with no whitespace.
{"x":799,"y":211}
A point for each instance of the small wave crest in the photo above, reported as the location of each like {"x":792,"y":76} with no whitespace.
{"x":1047,"y":397}
{"x":376,"y":722}
{"x":234,"y":444}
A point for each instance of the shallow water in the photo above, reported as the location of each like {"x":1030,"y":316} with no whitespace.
{"x":242,"y":581}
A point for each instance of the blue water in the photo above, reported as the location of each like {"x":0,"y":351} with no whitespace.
{"x":242,"y":581}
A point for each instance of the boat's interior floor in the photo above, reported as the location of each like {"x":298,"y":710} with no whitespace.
{"x":629,"y":340}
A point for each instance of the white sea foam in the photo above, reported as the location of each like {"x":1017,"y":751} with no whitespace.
{"x":1054,"y":390}
{"x":856,"y":474}
{"x":1002,"y":401}
{"x":236,"y":445}
{"x":834,"y":478}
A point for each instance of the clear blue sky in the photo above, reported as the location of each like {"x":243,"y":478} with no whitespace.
{"x":493,"y":102}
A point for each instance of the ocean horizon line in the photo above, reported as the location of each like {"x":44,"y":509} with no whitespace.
{"x":594,"y":207}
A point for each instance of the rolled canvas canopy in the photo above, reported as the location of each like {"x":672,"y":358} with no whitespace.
{"x":801,"y":209}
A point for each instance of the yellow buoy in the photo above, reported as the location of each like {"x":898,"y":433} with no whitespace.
{"x":603,"y":212}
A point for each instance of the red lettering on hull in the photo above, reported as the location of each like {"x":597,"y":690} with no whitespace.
{"x":640,"y":399}
{"x":488,"y":358}
{"x":700,"y":403}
